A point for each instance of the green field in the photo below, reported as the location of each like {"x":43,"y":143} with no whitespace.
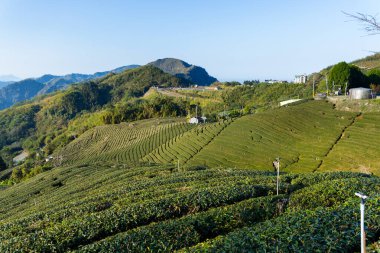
{"x":312,"y":136}
{"x":300,"y":135}
{"x":126,"y":143}
{"x":119,"y":189}
{"x":357,"y":150}
{"x":114,"y":208}
{"x":184,"y":147}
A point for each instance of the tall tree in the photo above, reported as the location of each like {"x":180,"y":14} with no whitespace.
{"x":343,"y":73}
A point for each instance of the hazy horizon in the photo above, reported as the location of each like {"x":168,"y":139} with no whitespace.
{"x":240,"y":40}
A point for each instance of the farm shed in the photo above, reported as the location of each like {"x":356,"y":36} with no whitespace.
{"x":197,"y":120}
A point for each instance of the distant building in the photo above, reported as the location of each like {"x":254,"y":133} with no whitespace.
{"x":197,"y":120}
{"x":300,"y":78}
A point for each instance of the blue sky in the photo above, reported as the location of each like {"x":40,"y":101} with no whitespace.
{"x":233,"y":40}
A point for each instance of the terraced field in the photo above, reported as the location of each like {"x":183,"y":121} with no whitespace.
{"x":186,"y":145}
{"x":119,"y":188}
{"x":358,"y":149}
{"x":300,"y":135}
{"x":126,"y":143}
{"x":307,"y":137}
{"x":112,"y":208}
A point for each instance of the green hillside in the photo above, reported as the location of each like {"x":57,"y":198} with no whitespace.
{"x":113,"y":184}
{"x":307,"y":137}
{"x":357,"y":150}
{"x":369,"y":62}
{"x":300,"y":135}
{"x":185,"y":146}
{"x":109,"y":207}
{"x":176,"y":67}
{"x":126,"y":143}
{"x":48,"y":123}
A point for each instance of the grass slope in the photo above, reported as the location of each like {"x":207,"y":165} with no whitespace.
{"x":358,"y":148}
{"x":126,"y":143}
{"x":112,"y":208}
{"x":183,"y":147}
{"x":300,"y":135}
{"x":369,"y":62}
{"x":307,"y":137}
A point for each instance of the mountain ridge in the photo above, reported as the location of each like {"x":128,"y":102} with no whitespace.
{"x":50,"y":83}
{"x":18,"y":92}
{"x":14,"y":92}
{"x":182,"y":69}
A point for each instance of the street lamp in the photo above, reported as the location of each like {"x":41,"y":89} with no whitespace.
{"x":362,"y":231}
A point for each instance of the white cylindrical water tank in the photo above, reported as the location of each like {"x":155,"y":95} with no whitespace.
{"x":360,"y":93}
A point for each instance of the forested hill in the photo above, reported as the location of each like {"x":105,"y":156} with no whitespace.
{"x":14,"y":92}
{"x":184,"y":70}
{"x":54,"y":83}
{"x":40,"y":125}
{"x":19,"y":91}
{"x":26,"y":89}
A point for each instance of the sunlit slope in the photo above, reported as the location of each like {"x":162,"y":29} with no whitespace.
{"x":126,"y":143}
{"x":358,"y":149}
{"x":108,"y":207}
{"x":185,"y":146}
{"x":300,"y":135}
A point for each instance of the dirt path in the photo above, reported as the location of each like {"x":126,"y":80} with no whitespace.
{"x":338,"y":139}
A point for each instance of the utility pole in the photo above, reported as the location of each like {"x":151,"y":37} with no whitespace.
{"x":333,"y":89}
{"x":278,"y":174}
{"x":362,"y":230}
{"x":313,"y":87}
{"x":276,"y":164}
{"x":327,"y":86}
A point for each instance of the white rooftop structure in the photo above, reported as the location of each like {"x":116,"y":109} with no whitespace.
{"x":290,"y":101}
{"x":300,"y":78}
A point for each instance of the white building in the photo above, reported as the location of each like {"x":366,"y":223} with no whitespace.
{"x":300,"y":78}
{"x":197,"y":120}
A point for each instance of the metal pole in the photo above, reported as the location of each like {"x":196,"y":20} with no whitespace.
{"x":362,"y":229}
{"x":278,"y":174}
{"x":363,"y":246}
{"x":333,"y":89}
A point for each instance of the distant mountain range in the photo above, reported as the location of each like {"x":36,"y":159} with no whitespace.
{"x":182,"y":69}
{"x":53,"y":83}
{"x":14,"y":92}
{"x":19,"y":91}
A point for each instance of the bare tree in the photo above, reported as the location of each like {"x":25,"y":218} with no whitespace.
{"x":369,"y":22}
